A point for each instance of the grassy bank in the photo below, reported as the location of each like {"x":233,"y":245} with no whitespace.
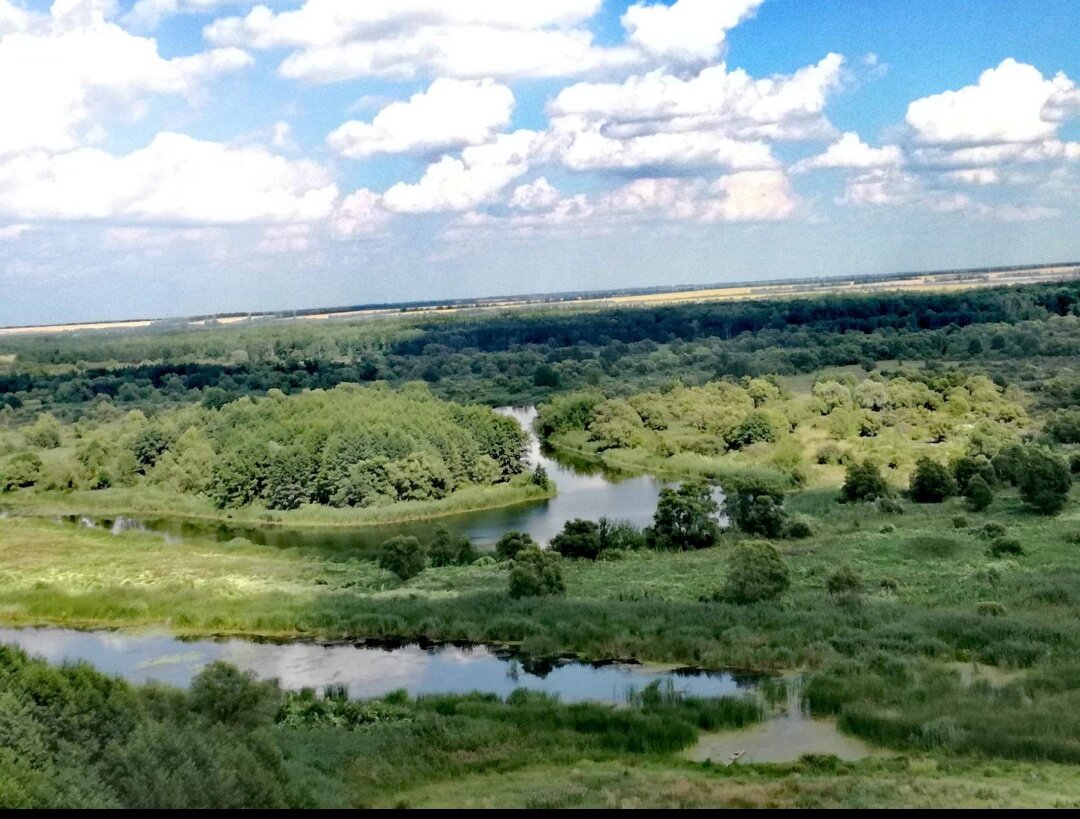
{"x":158,"y":503}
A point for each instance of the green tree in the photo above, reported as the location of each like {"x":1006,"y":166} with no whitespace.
{"x":863,"y":482}
{"x":758,"y":509}
{"x":685,"y":518}
{"x":579,"y":539}
{"x":447,"y":549}
{"x":508,"y":546}
{"x":20,"y":471}
{"x":1045,"y":482}
{"x":979,"y":494}
{"x":756,"y":572}
{"x":223,"y":693}
{"x":44,"y":432}
{"x":540,"y":477}
{"x":931,"y":482}
{"x":403,"y":555}
{"x":536,"y":573}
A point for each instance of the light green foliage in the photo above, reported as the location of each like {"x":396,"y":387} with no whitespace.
{"x":536,"y":573}
{"x":403,"y":555}
{"x":756,"y":572}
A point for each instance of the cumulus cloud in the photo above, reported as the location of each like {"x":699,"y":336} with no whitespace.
{"x":537,"y":195}
{"x":687,"y":31}
{"x":714,"y":118}
{"x":85,"y":67}
{"x":450,"y":114}
{"x":174,"y":179}
{"x":476,"y":177}
{"x":360,"y":214}
{"x":1010,"y":103}
{"x":331,"y":40}
{"x":851,"y":152}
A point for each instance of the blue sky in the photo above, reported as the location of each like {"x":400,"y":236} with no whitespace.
{"x":170,"y":157}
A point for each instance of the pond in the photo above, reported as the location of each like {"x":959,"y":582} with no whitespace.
{"x":366,"y":670}
{"x":585,"y":490}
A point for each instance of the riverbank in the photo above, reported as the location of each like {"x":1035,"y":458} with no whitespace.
{"x":148,"y":502}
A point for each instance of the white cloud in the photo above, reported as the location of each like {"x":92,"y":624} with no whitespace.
{"x":449,"y":114}
{"x":476,"y":177}
{"x":1009,"y":104}
{"x":851,"y":152}
{"x":79,"y":68}
{"x":12,"y":18}
{"x":332,"y":40}
{"x":716,"y":118}
{"x":687,"y":31}
{"x":148,"y":14}
{"x":537,"y":195}
{"x":174,"y":179}
{"x":360,"y":214}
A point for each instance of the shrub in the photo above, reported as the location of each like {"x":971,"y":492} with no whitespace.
{"x":1009,"y":463}
{"x":756,"y":572}
{"x":759,"y":510}
{"x":979,"y":494}
{"x":447,"y":549}
{"x":799,"y":527}
{"x":831,"y":454}
{"x":931,"y":482}
{"x":536,"y":573}
{"x":44,"y":432}
{"x":889,"y":584}
{"x":225,"y":694}
{"x":1045,"y":481}
{"x":511,"y":543}
{"x":863,"y":482}
{"x":685,"y":519}
{"x":887,"y":529}
{"x":20,"y":471}
{"x":889,"y":506}
{"x":967,"y":467}
{"x":990,"y":608}
{"x":993,"y":529}
{"x":579,"y":539}
{"x":844,"y":581}
{"x":959,"y":522}
{"x":403,"y":555}
{"x":1004,"y":546}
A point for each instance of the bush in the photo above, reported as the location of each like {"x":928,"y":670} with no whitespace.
{"x":511,"y":543}
{"x":967,"y":467}
{"x":863,"y":482}
{"x":223,"y":693}
{"x":831,"y":454}
{"x":536,"y":573}
{"x":756,"y":572}
{"x":993,"y":529}
{"x":403,"y":555}
{"x":990,"y":608}
{"x":959,"y":522}
{"x":931,"y":483}
{"x":20,"y":471}
{"x":1045,"y":481}
{"x":447,"y":549}
{"x":579,"y":539}
{"x":759,"y":510}
{"x":979,"y":494}
{"x":685,"y":519}
{"x":889,"y":584}
{"x":1005,"y":546}
{"x":844,"y":581}
{"x":1009,"y":464}
{"x":887,"y":529}
{"x":800,"y":527}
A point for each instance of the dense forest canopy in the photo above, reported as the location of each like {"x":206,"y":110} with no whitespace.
{"x":349,"y":446}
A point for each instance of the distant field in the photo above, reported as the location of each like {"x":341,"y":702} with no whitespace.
{"x":929,"y":282}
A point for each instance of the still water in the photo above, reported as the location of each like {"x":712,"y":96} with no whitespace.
{"x":367,"y":671}
{"x":585,"y":490}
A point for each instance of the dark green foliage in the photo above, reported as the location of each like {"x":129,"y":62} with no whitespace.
{"x":863,"y":482}
{"x":1074,"y":463}
{"x":990,"y":608}
{"x":1045,"y":482}
{"x":446,"y":549}
{"x":540,"y":477}
{"x":1006,"y":547}
{"x":403,"y":555}
{"x":967,"y":467}
{"x":756,"y":572}
{"x":579,"y":539}
{"x":844,"y":581}
{"x":979,"y":494}
{"x":149,"y":445}
{"x":1064,"y":426}
{"x":931,"y":482}
{"x":758,"y":510}
{"x":508,"y":546}
{"x":685,"y":519}
{"x":1009,"y":464}
{"x":992,"y":529}
{"x":799,"y":527}
{"x":222,"y":693}
{"x":756,"y":427}
{"x":536,"y":573}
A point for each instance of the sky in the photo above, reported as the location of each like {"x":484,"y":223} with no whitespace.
{"x":179,"y":157}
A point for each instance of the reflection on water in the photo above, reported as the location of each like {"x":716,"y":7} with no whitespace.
{"x":585,"y":490}
{"x":367,"y":671}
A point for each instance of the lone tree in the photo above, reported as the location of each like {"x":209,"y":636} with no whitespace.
{"x":540,"y":477}
{"x":932,"y":482}
{"x":404,"y":556}
{"x":756,"y":572}
{"x":758,"y":509}
{"x":578,"y":539}
{"x":511,"y":543}
{"x":979,"y":494}
{"x":536,"y":573}
{"x":863,"y":482}
{"x":685,"y":519}
{"x":1045,"y":481}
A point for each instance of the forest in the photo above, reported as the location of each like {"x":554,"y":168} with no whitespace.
{"x":863,"y":503}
